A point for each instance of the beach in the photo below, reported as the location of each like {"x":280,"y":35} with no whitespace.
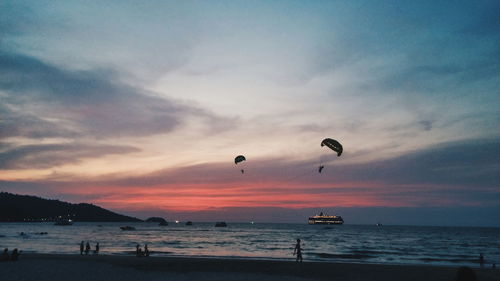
{"x":41,"y":267}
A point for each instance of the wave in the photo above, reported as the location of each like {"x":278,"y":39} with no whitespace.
{"x":223,"y":243}
{"x":172,"y":242}
{"x":385,"y":253}
{"x":186,"y":230}
{"x":259,"y":241}
{"x":342,"y":256}
{"x":271,"y":248}
{"x":448,"y":260}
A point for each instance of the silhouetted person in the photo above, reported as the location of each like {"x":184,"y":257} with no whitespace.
{"x":146,"y":250}
{"x":15,"y":255}
{"x":465,"y":273}
{"x":87,"y":248}
{"x":5,"y":255}
{"x":298,"y":251}
{"x":481,"y":260}
{"x":81,"y":248}
{"x":96,"y":248}
{"x":138,"y":250}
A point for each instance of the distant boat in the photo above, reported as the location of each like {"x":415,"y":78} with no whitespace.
{"x":220,"y":224}
{"x":127,"y":227}
{"x":64,"y":222}
{"x":325,"y":219}
{"x":189,"y":223}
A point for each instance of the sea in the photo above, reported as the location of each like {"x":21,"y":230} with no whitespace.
{"x":386,"y":244}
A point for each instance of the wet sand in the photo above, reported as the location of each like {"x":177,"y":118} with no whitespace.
{"x":41,"y":267}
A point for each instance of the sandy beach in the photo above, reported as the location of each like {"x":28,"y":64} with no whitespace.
{"x":42,"y":267}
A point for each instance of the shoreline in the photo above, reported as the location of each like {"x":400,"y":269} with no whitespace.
{"x":42,"y":267}
{"x":160,"y":254}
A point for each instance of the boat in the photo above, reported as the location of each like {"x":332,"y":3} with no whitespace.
{"x":325,"y":219}
{"x":220,"y":224}
{"x":64,"y":222}
{"x":189,"y":223}
{"x":127,"y":227}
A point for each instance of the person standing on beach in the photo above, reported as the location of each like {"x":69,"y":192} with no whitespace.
{"x":96,"y":248}
{"x":81,"y":248}
{"x":298,"y":251}
{"x":146,"y":250}
{"x":15,"y":255}
{"x":137,"y":250}
{"x":481,"y":260}
{"x":87,"y":248}
{"x":5,"y":255}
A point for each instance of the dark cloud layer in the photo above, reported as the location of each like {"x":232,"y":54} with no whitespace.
{"x":455,"y":173}
{"x":473,"y":162}
{"x":93,"y":101}
{"x":90,"y":103}
{"x":40,"y":100}
{"x":51,"y":155}
{"x":24,"y":124}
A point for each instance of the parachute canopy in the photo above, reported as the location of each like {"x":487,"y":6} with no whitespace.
{"x":333,"y":144}
{"x":239,"y":159}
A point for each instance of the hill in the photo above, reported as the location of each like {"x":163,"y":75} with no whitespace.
{"x":156,"y":219}
{"x":25,"y":208}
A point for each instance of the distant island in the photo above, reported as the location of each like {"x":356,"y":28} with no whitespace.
{"x":156,"y":219}
{"x":25,"y":208}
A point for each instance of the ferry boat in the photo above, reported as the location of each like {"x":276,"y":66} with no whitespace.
{"x":325,"y":219}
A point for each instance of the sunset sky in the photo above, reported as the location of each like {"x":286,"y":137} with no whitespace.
{"x":141,"y":108}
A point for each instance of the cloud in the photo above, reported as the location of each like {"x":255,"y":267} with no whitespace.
{"x":449,"y":174}
{"x":471,"y":162}
{"x":24,"y":124}
{"x":52,"y":155}
{"x":439,"y":77}
{"x":87,"y":102}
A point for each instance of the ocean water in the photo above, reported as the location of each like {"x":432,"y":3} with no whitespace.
{"x":451,"y":246}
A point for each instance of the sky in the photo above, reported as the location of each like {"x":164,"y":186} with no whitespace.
{"x":141,"y":107}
